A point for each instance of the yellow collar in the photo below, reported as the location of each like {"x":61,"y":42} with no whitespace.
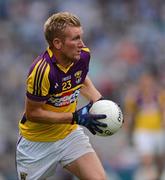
{"x":62,"y":68}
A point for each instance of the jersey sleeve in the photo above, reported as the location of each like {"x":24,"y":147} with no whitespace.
{"x":38,"y":83}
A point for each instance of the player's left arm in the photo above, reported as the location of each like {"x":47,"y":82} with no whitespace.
{"x":89,"y":91}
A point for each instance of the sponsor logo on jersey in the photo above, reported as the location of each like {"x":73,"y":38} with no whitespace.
{"x":65,"y":99}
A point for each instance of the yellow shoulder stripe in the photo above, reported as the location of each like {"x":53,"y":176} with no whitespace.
{"x":86,"y":49}
{"x":50,"y":52}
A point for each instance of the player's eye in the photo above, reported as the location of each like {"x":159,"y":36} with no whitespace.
{"x":76,"y":38}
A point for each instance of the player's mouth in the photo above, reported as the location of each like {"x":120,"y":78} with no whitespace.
{"x":79,"y":52}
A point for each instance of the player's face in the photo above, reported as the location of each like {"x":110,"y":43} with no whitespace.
{"x":73,"y":43}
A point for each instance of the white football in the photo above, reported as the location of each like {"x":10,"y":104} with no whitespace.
{"x":114,"y":119}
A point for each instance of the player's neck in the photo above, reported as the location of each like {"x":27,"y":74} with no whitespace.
{"x":62,"y":60}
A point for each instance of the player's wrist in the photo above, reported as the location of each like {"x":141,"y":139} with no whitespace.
{"x":101,"y":98}
{"x":98,"y":99}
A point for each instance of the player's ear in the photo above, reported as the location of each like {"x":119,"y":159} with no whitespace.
{"x":57,"y":43}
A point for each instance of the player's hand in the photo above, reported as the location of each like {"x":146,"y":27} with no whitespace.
{"x":90,"y":121}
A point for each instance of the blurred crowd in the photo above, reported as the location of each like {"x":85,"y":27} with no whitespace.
{"x":126,"y":39}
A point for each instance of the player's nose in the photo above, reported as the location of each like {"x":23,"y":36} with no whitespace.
{"x":81,"y":43}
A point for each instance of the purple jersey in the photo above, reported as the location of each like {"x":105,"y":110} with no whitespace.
{"x":59,"y":87}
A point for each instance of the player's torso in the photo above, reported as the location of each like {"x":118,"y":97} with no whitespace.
{"x":64,"y":88}
{"x":65,"y":85}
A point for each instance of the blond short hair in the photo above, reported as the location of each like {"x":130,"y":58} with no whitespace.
{"x":56,"y":24}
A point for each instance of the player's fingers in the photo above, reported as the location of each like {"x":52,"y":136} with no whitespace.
{"x":101,"y":124}
{"x":97,"y":129}
{"x":92,"y":131}
{"x":99,"y":116}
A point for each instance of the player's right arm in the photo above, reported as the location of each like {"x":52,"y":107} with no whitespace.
{"x":36,"y":113}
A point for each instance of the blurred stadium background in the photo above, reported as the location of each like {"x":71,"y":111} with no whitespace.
{"x":126,"y":38}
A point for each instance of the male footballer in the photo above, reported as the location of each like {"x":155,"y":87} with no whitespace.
{"x":49,"y":129}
